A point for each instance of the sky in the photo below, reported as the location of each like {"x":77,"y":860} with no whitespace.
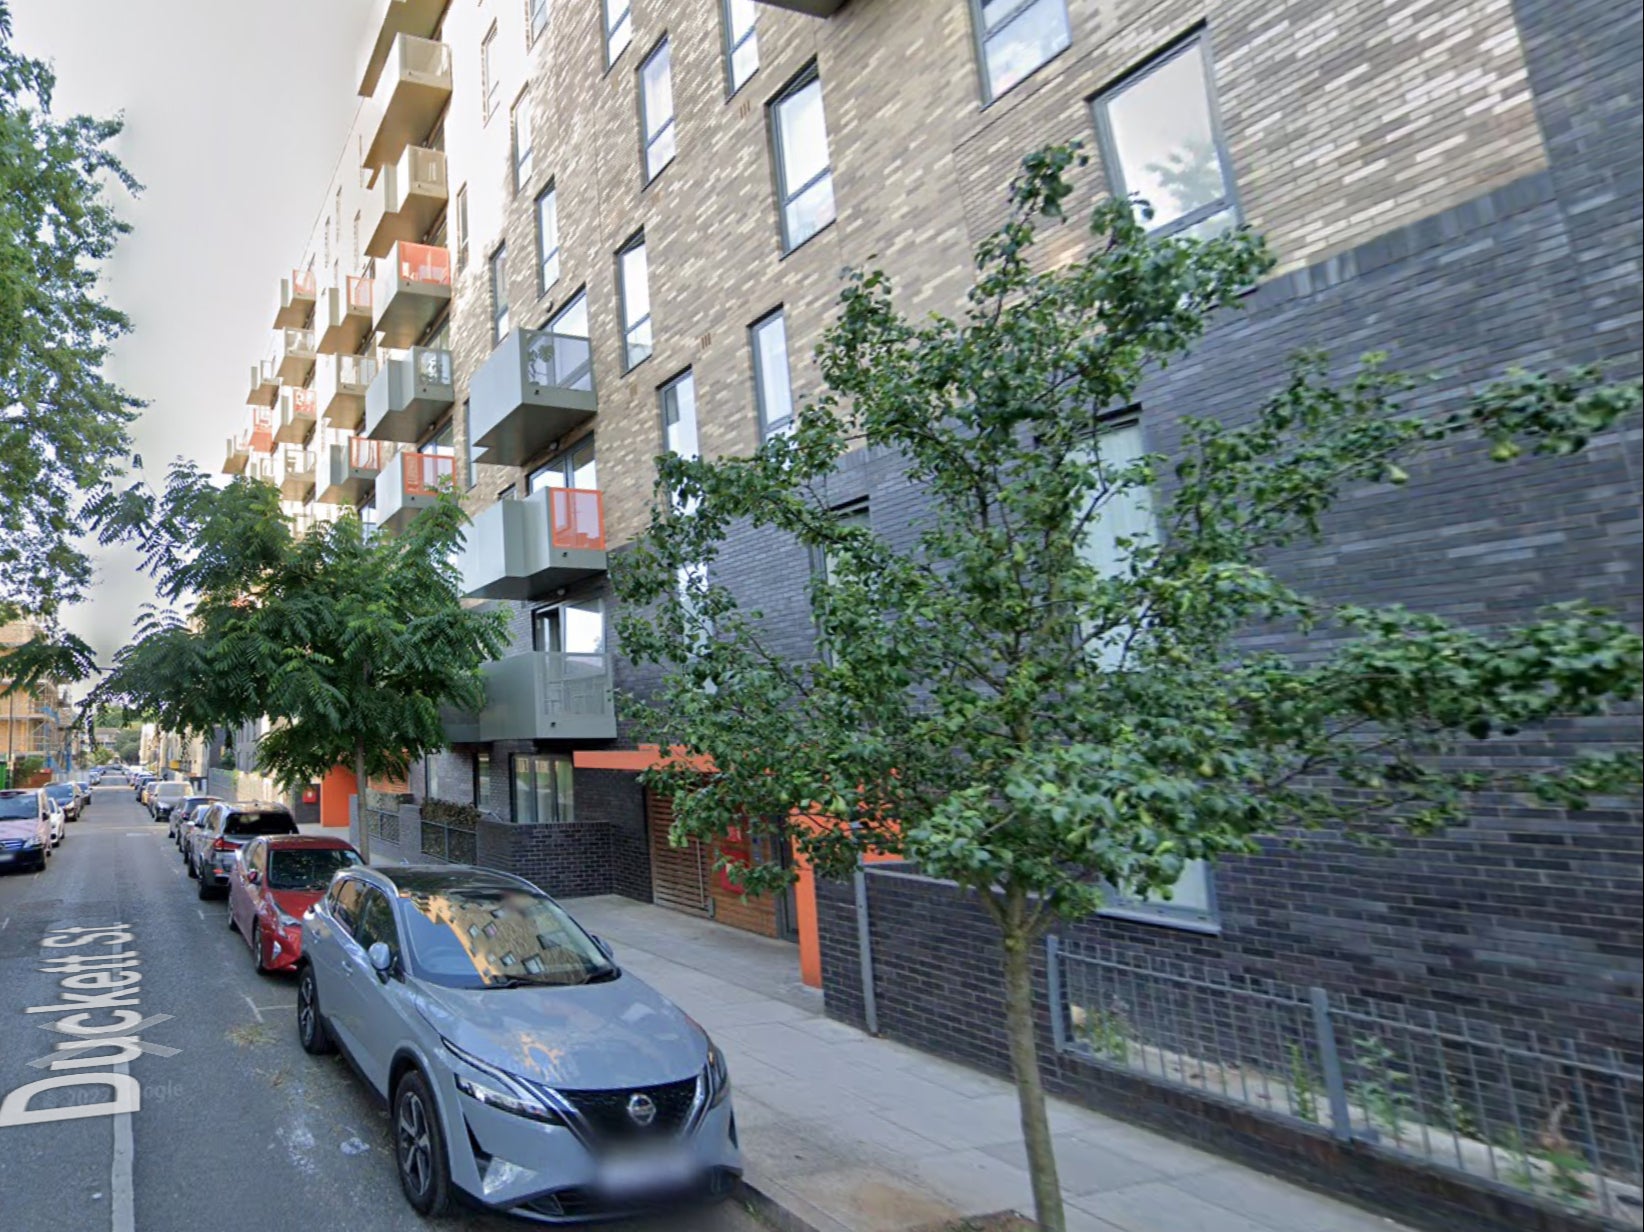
{"x":236,"y":112}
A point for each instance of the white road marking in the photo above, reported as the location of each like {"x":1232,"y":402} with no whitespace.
{"x":253,"y":1006}
{"x":199,"y":912}
{"x":3,"y":923}
{"x":124,"y":1207}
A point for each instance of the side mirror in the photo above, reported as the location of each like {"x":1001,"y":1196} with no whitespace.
{"x":382,"y":959}
{"x":605,"y":948}
{"x":254,"y":877}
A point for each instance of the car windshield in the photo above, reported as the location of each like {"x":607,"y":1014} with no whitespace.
{"x":172,"y":790}
{"x":247,"y":825}
{"x":498,"y":936}
{"x":308,"y":868}
{"x":19,"y":806}
{"x":60,"y":791}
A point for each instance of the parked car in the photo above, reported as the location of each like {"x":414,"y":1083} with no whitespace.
{"x":273,"y":882}
{"x":182,"y":813}
{"x":59,"y":823}
{"x":493,"y":1024}
{"x":68,"y":797}
{"x":25,"y":828}
{"x":139,"y":781}
{"x":225,"y":828}
{"x":165,"y":797}
{"x":146,"y":796}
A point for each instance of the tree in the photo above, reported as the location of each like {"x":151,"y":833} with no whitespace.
{"x":350,"y":644}
{"x":62,"y":423}
{"x":128,"y":745}
{"x":1012,"y":705}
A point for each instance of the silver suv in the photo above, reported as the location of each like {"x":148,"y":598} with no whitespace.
{"x":214,"y":841}
{"x":522,"y":1066}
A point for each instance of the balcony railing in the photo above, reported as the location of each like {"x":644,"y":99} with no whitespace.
{"x":410,"y":483}
{"x":351,"y":469}
{"x":236,"y":453}
{"x":262,"y":430}
{"x":296,"y":300}
{"x":410,"y":94}
{"x":296,"y":474}
{"x":341,"y":383}
{"x":343,"y":317}
{"x":545,"y":695}
{"x":524,"y":549}
{"x":534,"y":388}
{"x":413,"y":287}
{"x":298,"y":416}
{"x":414,"y":191}
{"x":409,"y":394}
{"x":265,"y":384}
{"x":296,"y":355}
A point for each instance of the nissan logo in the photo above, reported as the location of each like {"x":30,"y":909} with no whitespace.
{"x":641,"y":1109}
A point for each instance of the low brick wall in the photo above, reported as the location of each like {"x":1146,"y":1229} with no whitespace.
{"x":567,"y":860}
{"x":937,"y":987}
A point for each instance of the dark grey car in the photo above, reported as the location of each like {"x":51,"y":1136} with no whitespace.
{"x":521,"y":1065}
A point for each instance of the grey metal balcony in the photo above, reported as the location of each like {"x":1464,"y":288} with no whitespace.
{"x":265,"y":384}
{"x":343,"y":316}
{"x":413,"y":193}
{"x":523,"y":549}
{"x":534,"y":388}
{"x":349,"y":469}
{"x":409,"y":394}
{"x":296,"y":474}
{"x":297,"y":417}
{"x":340,"y":386}
{"x":237,"y":453}
{"x":409,"y":95}
{"x":408,"y":484}
{"x":296,"y":300}
{"x":810,"y":8}
{"x":543,"y":695}
{"x":296,"y":355}
{"x":413,"y":286}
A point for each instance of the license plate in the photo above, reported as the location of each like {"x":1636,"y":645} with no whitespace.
{"x":5,"y":857}
{"x":650,"y":1172}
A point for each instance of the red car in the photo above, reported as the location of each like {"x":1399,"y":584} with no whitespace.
{"x":275,"y":880}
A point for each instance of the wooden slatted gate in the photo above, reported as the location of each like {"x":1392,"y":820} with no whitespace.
{"x":679,"y":875}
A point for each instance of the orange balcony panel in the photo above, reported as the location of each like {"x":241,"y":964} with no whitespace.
{"x":262,"y":430}
{"x":413,"y":287}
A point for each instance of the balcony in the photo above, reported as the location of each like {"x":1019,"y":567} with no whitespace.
{"x":262,"y":430}
{"x":809,"y":8}
{"x":413,"y":287}
{"x":408,"y":395}
{"x":542,"y":695}
{"x":296,"y":474}
{"x":414,"y":191}
{"x":350,"y":469}
{"x":410,"y":94}
{"x":261,"y":466}
{"x":340,"y":384}
{"x":298,"y":417}
{"x":296,"y":300}
{"x":265,"y":384}
{"x":236,"y":454}
{"x":418,"y":18}
{"x":409,"y":484}
{"x":535,"y":387}
{"x":343,"y":316}
{"x":524,"y":549}
{"x":296,"y":355}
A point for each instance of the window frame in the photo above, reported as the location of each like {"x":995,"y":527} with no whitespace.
{"x":522,"y":140}
{"x":550,"y":195}
{"x":534,"y":31}
{"x":636,"y":243}
{"x":786,"y":196}
{"x":1166,"y":913}
{"x":647,"y":139}
{"x":624,"y":22}
{"x":564,"y":815}
{"x":461,"y":226}
{"x":501,"y":307}
{"x":1197,"y":41}
{"x":979,"y":37}
{"x":767,"y":429}
{"x":490,"y":84}
{"x":732,"y":45}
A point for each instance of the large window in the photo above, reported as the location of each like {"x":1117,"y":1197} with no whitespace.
{"x":576,"y":628}
{"x":490,"y":83}
{"x":461,"y":213}
{"x":482,"y":782}
{"x":741,"y":43}
{"x":619,"y":28}
{"x":679,"y":425}
{"x":1161,"y":143}
{"x":634,"y":284}
{"x":772,"y":383}
{"x":499,"y":294}
{"x":1124,"y":521}
{"x":542,"y":789}
{"x":547,"y":239}
{"x":804,"y":175}
{"x":573,"y":361}
{"x":1016,"y":37}
{"x":520,"y":126}
{"x":576,"y":467}
{"x":656,"y":110}
{"x":536,"y":20}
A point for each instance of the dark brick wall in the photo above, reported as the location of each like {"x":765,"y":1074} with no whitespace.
{"x":567,"y":861}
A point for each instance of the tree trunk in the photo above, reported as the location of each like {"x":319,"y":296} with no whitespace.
{"x":1024,"y":1062}
{"x":362,"y":832}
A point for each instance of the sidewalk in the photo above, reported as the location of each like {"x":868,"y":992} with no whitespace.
{"x":856,"y":1134}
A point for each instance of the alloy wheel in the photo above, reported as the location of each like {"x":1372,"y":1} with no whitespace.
{"x":414,"y":1152}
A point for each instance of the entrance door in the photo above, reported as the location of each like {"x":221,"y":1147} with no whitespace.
{"x":679,"y":875}
{"x":787,"y":903}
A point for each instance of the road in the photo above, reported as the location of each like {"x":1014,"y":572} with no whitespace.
{"x":236,"y":1125}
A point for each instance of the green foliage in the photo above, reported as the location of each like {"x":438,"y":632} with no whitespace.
{"x":1380,"y":1089}
{"x":451,"y":813}
{"x":128,"y":745}
{"x":62,"y":423}
{"x":1304,"y":1086}
{"x":1108,"y":1033}
{"x":351,"y":645}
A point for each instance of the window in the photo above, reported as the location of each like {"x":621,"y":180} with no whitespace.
{"x":442,"y":444}
{"x":679,"y":424}
{"x":741,"y":43}
{"x":573,"y":364}
{"x":536,"y":20}
{"x":1016,"y":37}
{"x":490,"y":83}
{"x":462,"y":226}
{"x":327,"y":260}
{"x":1161,"y":142}
{"x":772,"y":384}
{"x":542,"y":789}
{"x":519,"y":122}
{"x":634,"y":284}
{"x":482,"y":781}
{"x":1192,"y":899}
{"x":547,"y":239}
{"x":826,"y":562}
{"x":804,"y":176}
{"x":376,"y":922}
{"x":357,"y":253}
{"x":1125,"y":520}
{"x":619,"y":28}
{"x":656,"y":110}
{"x":576,"y":467}
{"x":499,"y":294}
{"x":576,"y":628}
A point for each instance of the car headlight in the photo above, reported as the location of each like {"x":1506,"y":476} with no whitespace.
{"x":719,"y":1076}
{"x":32,"y":844}
{"x":504,"y":1093}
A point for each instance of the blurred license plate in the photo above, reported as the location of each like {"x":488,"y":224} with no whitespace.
{"x":5,"y":857}
{"x":646,"y":1172}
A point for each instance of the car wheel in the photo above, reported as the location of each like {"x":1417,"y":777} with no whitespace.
{"x":419,"y":1148}
{"x":190,"y":864}
{"x":311,"y":1032}
{"x":204,"y":888}
{"x":257,"y":946}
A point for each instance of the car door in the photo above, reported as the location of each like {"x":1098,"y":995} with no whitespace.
{"x":242,"y":894}
{"x":376,"y":1024}
{"x":335,"y":970}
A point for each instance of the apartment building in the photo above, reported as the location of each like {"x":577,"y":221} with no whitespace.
{"x":33,"y":722}
{"x":563,"y":238}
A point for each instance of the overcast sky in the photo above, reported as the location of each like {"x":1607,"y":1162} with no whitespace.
{"x":236,"y":111}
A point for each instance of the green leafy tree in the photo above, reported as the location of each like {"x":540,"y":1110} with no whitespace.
{"x":62,"y":423}
{"x":128,"y":745}
{"x":350,"y":644}
{"x":1037,"y":722}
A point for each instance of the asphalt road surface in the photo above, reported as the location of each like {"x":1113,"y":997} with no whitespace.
{"x":237,"y":1127}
